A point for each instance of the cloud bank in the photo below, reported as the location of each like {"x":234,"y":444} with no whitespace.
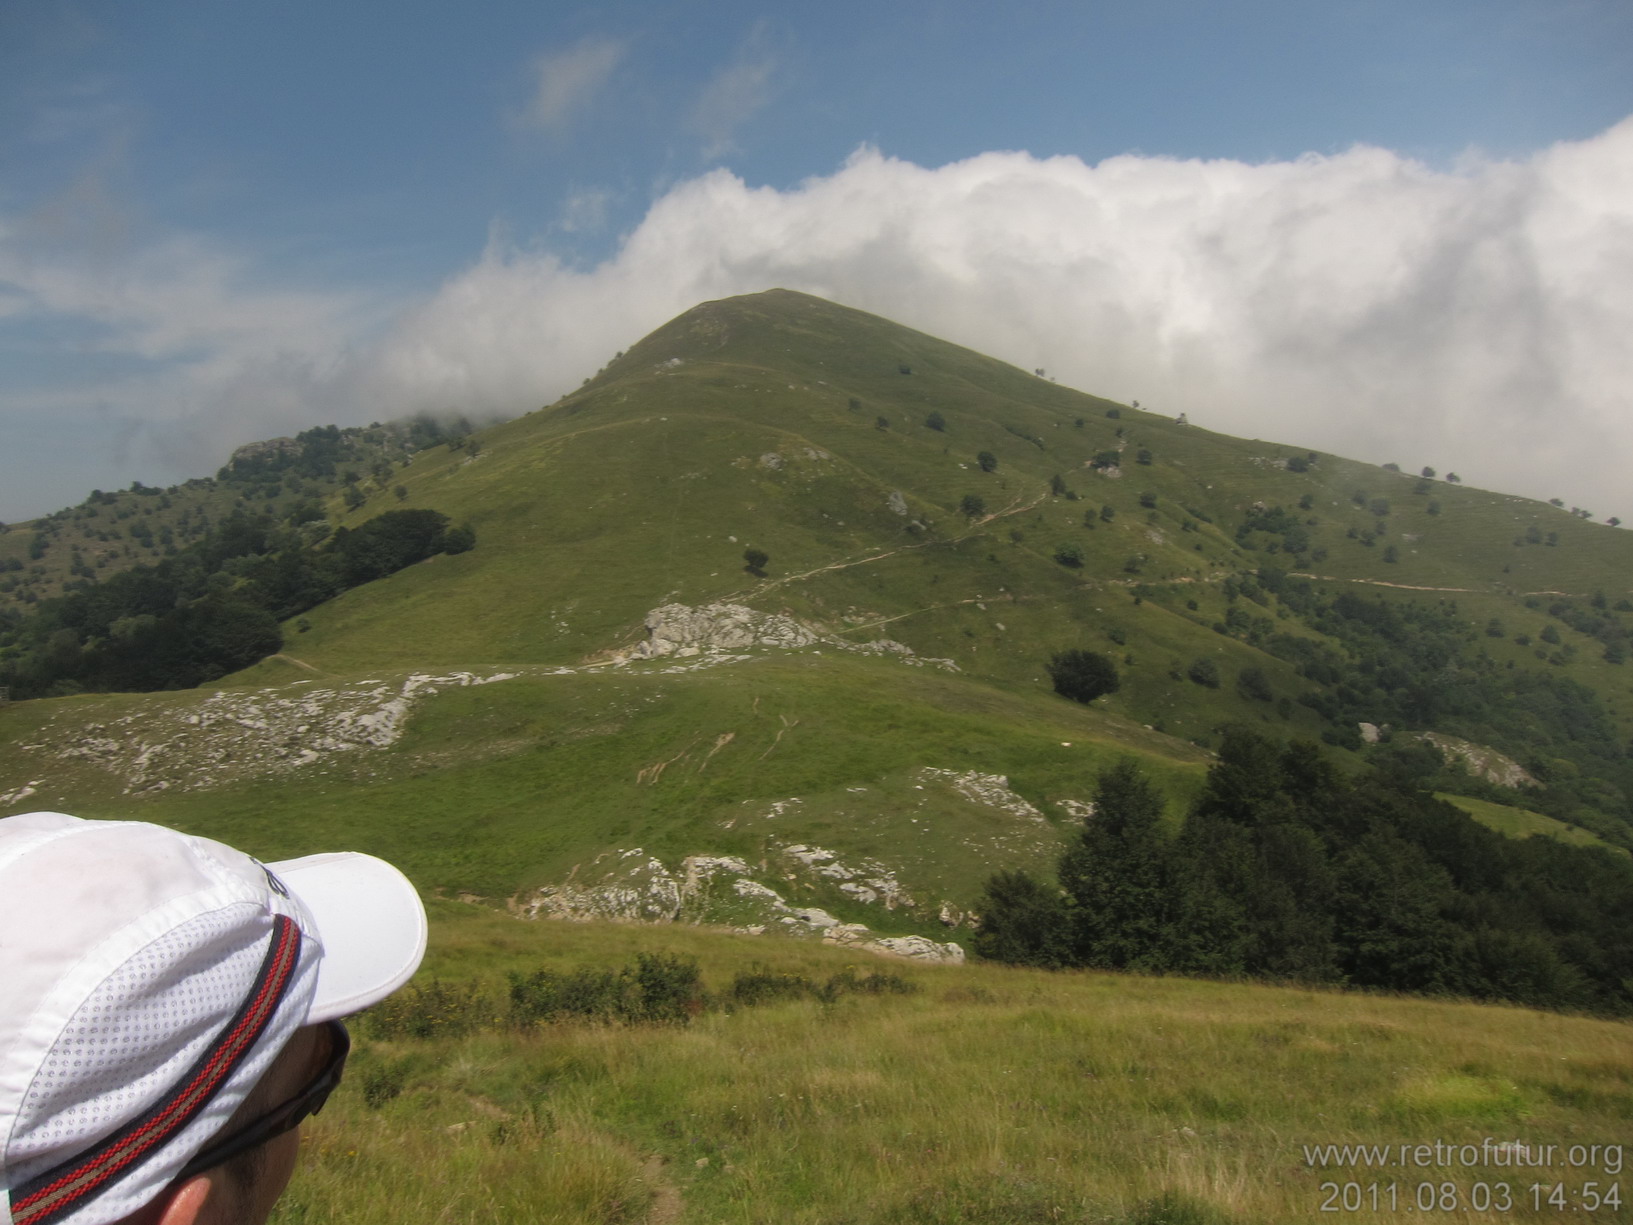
{"x":1474,"y":319}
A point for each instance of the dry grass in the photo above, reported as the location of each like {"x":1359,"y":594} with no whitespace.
{"x":990,"y":1095}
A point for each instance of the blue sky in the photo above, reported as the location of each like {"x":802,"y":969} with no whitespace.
{"x":1400,"y":230}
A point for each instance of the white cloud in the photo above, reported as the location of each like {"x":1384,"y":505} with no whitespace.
{"x":1363,"y":303}
{"x":734,"y":95}
{"x":181,"y":358}
{"x":585,"y":212}
{"x":567,"y":81}
{"x":1475,"y":320}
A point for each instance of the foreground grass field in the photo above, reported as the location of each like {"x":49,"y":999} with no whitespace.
{"x":986,"y":1094}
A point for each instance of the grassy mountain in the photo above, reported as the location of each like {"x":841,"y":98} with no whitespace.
{"x":907,"y":491}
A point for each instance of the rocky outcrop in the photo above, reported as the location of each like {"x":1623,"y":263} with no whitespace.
{"x":712,"y":630}
{"x":679,"y":630}
{"x":991,"y":790}
{"x":268,"y":447}
{"x":633,"y":887}
{"x":1481,"y":760}
{"x":918,"y":948}
{"x":235,"y":734}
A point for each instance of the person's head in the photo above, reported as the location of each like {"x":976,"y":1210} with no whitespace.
{"x":169,"y":1012}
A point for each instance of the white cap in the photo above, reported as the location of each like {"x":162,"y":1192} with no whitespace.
{"x":147,"y":980}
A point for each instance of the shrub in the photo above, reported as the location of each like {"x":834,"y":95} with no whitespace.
{"x":936,"y":421}
{"x":432,"y":1010}
{"x":1252,"y":683}
{"x":660,"y":989}
{"x":972,"y":505}
{"x":1069,"y":555}
{"x":759,"y":985}
{"x":1083,"y":676}
{"x":1204,"y":672}
{"x":987,"y":461}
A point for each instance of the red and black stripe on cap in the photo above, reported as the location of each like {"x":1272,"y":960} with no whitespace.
{"x":59,"y":1191}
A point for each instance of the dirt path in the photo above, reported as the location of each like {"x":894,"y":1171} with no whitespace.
{"x":1014,"y":508}
{"x":299,"y":663}
{"x":666,"y":1201}
{"x":1373,"y":582}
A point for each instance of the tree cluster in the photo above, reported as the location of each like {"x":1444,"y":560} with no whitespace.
{"x":1285,"y":871}
{"x":211,"y":609}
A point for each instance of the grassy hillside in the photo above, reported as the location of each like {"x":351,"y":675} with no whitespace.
{"x":503,"y":787}
{"x":982,"y":1095}
{"x":115,"y":530}
{"x":845,"y":446}
{"x":755,"y":422}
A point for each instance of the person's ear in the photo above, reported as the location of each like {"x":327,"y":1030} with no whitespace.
{"x":186,"y":1204}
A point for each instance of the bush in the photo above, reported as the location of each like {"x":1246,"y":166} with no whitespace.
{"x":1204,"y":672}
{"x":759,"y":985}
{"x":1083,"y":676}
{"x":1252,"y":683}
{"x":1069,"y":555}
{"x":433,"y":1010}
{"x":988,"y":461}
{"x":660,"y":989}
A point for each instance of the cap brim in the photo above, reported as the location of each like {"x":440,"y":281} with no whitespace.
{"x":370,"y":921}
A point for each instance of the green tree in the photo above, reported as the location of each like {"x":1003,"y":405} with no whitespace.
{"x":1252,"y":683}
{"x":987,"y":461}
{"x":756,"y":560}
{"x":1204,"y":672}
{"x":1083,"y":676}
{"x":1069,"y":555}
{"x":1022,"y":922}
{"x":936,"y":421}
{"x":972,"y":505}
{"x":459,"y":539}
{"x":1116,"y":874}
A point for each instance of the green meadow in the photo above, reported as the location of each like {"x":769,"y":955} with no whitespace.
{"x":985,"y":1094}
